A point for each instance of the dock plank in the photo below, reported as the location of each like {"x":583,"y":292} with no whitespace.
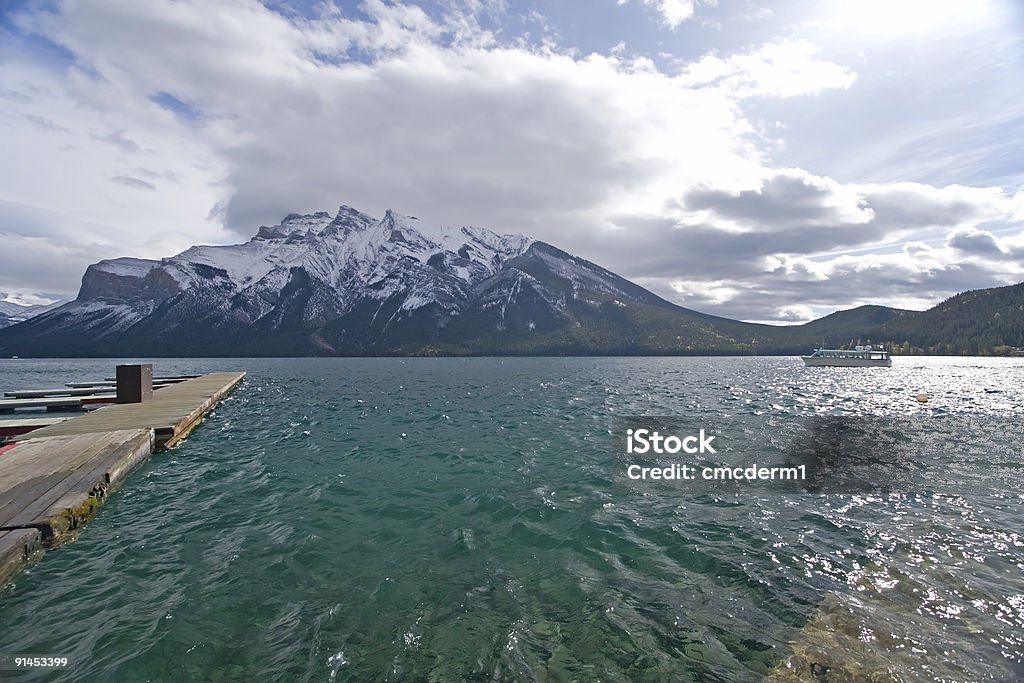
{"x":53,"y":479}
{"x":54,"y":484}
{"x":52,"y":393}
{"x":33,"y":420}
{"x":85,"y":490}
{"x":161,"y":378}
{"x":12,"y":404}
{"x":172,"y":412}
{"x":58,"y":391}
{"x":36,"y":469}
{"x":110,"y":383}
{"x":98,"y":398}
{"x":23,"y":425}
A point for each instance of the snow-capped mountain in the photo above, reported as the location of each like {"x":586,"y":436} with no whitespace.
{"x":12,"y":312}
{"x":353,"y":284}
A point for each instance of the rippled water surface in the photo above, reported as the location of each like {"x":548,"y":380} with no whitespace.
{"x":468,"y":519}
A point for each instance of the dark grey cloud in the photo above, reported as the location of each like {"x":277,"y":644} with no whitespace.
{"x":52,"y":249}
{"x":784,"y":199}
{"x":792,"y":213}
{"x":455,"y":149}
{"x":976,"y":242}
{"x":710,"y":252}
{"x":46,"y":268}
{"x":18,"y":219}
{"x":906,"y":205}
{"x":792,"y":248}
{"x":772,"y":296}
{"x":48,"y":271}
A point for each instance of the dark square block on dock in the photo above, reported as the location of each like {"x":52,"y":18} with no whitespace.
{"x":134,"y":383}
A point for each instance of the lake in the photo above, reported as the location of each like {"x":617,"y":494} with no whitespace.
{"x":470,"y":519}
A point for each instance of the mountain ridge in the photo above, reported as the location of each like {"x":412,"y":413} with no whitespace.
{"x":351,"y":284}
{"x":12,"y":312}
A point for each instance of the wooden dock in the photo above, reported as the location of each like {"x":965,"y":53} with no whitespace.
{"x":171,"y":413}
{"x":161,"y":378}
{"x":55,"y":477}
{"x":51,"y":393}
{"x":110,"y":382}
{"x":9,"y":405}
{"x":65,"y":399}
{"x":28,"y":424}
{"x":104,"y":388}
{"x":17,"y":548}
{"x":48,"y":487}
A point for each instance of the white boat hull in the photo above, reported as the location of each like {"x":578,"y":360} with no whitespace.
{"x":819,"y":361}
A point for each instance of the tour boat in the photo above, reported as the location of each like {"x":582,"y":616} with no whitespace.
{"x":858,"y":357}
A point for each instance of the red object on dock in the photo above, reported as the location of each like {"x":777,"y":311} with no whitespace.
{"x":15,"y":431}
{"x":100,"y":399}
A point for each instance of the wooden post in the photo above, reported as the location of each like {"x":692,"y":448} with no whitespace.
{"x":134,"y":383}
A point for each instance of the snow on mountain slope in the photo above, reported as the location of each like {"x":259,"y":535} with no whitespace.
{"x":349,"y":257}
{"x":343,"y":284}
{"x":12,"y":312}
{"x":128,"y":267}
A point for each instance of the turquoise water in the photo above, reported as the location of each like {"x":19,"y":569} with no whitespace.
{"x":468,"y":520}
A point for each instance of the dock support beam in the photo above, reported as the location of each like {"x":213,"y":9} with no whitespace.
{"x":134,"y":383}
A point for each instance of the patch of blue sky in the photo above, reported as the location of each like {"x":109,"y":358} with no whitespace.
{"x":606,"y":24}
{"x":179,"y":107}
{"x":27,"y":45}
{"x":294,"y":9}
{"x":316,"y":9}
{"x":599,"y":29}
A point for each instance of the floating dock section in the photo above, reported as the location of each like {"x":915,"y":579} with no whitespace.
{"x":171,"y":413}
{"x":53,"y":478}
{"x":74,"y":396}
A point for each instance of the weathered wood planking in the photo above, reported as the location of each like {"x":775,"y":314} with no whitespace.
{"x":49,"y":393}
{"x":58,"y":502}
{"x":45,"y":393}
{"x":16,"y":548}
{"x":27,"y":424}
{"x":48,"y":487}
{"x":69,"y":403}
{"x":55,"y":477}
{"x":98,"y":398}
{"x":9,"y":405}
{"x":161,"y":378}
{"x":110,"y":383}
{"x":172,"y":412}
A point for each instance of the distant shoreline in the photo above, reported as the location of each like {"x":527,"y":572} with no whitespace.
{"x":499,"y":356}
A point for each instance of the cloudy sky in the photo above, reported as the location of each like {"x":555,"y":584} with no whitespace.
{"x":769,"y":161}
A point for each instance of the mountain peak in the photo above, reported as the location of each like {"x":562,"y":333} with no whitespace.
{"x":303,"y":217}
{"x":359,"y":283}
{"x":348,"y":211}
{"x":296,"y":225}
{"x":354,"y":284}
{"x":349,"y":219}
